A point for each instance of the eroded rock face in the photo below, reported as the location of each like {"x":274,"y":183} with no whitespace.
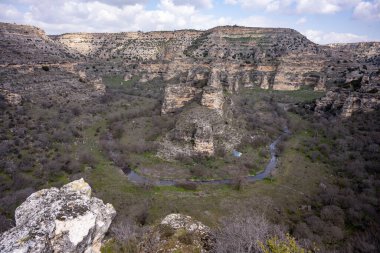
{"x":200,"y":131}
{"x":213,"y":98}
{"x":59,"y":220}
{"x":176,"y":96}
{"x":203,"y":140}
{"x":178,"y":233}
{"x":358,"y":95}
{"x":344,"y":103}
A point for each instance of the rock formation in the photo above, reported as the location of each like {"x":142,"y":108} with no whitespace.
{"x":360,"y":94}
{"x":178,"y":233}
{"x":11,"y":98}
{"x":59,"y":220}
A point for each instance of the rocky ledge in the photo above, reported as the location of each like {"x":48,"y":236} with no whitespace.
{"x":59,"y":220}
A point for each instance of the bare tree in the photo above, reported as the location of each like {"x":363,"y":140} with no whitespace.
{"x":242,"y":233}
{"x":125,"y":230}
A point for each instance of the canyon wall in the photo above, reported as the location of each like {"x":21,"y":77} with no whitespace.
{"x":35,"y":68}
{"x":200,"y":70}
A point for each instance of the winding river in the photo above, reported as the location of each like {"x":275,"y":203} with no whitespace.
{"x":138,"y":179}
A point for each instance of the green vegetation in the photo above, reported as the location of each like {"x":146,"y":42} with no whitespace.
{"x":276,"y":245}
{"x":240,"y":39}
{"x":297,"y":96}
{"x":324,"y":188}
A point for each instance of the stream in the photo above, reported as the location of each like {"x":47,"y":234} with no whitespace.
{"x":138,"y":179}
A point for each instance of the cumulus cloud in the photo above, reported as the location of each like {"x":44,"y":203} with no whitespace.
{"x":368,"y":10}
{"x":197,"y":3}
{"x":321,"y":37}
{"x":98,"y":16}
{"x":324,"y":6}
{"x":267,"y":5}
{"x":297,"y":6}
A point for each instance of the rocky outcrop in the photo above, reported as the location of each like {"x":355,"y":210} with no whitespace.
{"x":176,"y":96}
{"x":129,"y":45}
{"x":59,"y":220}
{"x":344,"y":103}
{"x":357,"y":95}
{"x":11,"y":98}
{"x":213,"y":98}
{"x":296,"y":71}
{"x":203,"y":140}
{"x":200,"y":131}
{"x":178,"y":233}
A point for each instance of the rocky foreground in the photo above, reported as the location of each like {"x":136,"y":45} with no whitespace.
{"x":70,"y":220}
{"x":59,"y":220}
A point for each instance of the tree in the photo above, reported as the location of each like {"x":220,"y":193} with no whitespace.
{"x":243,"y":233}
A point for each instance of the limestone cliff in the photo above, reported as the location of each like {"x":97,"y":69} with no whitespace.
{"x":359,"y":92}
{"x":59,"y":220}
{"x":23,"y":43}
{"x":38,"y":69}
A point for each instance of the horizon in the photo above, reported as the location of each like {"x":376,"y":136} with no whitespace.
{"x":323,"y":22}
{"x":190,"y":29}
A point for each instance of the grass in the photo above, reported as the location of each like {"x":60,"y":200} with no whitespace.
{"x":118,"y":81}
{"x":295,"y":179}
{"x":297,"y":96}
{"x":240,"y":39}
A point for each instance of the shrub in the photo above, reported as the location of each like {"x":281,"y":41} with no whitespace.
{"x":46,"y":68}
{"x":333,"y":214}
{"x":86,"y":157}
{"x":186,"y":238}
{"x":187,"y":186}
{"x":166,"y":231}
{"x":286,"y":245}
{"x":243,"y":233}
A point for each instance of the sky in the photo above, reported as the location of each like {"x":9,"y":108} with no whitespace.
{"x":322,"y":21}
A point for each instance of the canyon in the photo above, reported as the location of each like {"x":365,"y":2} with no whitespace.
{"x":173,"y":106}
{"x":203,"y":68}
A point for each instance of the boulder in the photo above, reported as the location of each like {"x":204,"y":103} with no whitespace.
{"x":178,"y":233}
{"x":11,"y":98}
{"x":59,"y":220}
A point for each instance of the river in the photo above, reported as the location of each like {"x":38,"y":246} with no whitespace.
{"x":138,"y":179}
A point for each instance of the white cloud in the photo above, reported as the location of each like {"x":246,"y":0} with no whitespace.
{"x":321,"y":37}
{"x":97,"y":16}
{"x":267,"y":5}
{"x":197,"y":3}
{"x":324,"y":6}
{"x":297,"y":6}
{"x":301,"y":21}
{"x":368,"y":10}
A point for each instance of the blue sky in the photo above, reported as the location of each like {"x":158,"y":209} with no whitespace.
{"x":322,"y":21}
